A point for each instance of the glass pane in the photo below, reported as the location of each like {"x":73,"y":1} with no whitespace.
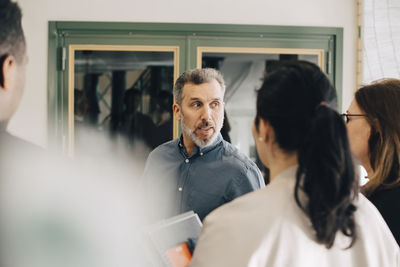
{"x":243,"y":73}
{"x":125,"y":95}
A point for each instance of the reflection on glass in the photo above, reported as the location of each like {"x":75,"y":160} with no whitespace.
{"x":124,"y":94}
{"x":243,"y":73}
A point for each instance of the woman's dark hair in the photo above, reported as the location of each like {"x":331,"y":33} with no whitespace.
{"x":297,"y":100}
{"x":380,"y":101}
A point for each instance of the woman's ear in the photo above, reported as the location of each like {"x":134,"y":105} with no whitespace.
{"x":377,"y":126}
{"x":265,"y":130}
{"x":8,"y":68}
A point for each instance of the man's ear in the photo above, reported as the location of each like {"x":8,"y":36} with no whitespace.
{"x":8,"y":68}
{"x":177,"y":110}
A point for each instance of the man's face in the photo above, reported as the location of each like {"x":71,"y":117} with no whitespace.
{"x":201,"y":112}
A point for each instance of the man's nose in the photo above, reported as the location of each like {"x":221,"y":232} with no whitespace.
{"x":206,"y":113}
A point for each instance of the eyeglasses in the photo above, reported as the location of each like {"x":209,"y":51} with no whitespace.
{"x":346,"y":116}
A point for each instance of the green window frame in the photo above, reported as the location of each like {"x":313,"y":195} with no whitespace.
{"x":190,"y":40}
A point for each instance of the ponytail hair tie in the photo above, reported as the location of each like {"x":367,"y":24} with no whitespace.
{"x":323,"y":104}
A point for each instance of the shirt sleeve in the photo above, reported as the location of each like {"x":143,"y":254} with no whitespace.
{"x":246,"y":182}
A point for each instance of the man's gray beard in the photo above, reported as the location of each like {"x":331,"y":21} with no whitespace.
{"x":192,"y":135}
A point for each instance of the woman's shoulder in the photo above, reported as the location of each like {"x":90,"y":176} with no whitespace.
{"x":260,"y":211}
{"x":271,"y":199}
{"x":232,"y":232}
{"x":366,"y":208}
{"x":370,"y":221}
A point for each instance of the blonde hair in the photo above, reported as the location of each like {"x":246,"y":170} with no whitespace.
{"x":381,"y":103}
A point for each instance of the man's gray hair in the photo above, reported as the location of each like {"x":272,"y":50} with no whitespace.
{"x":196,"y":76}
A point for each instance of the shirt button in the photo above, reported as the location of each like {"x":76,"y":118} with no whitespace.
{"x":201,"y":153}
{"x":180,"y":188}
{"x":187,"y":160}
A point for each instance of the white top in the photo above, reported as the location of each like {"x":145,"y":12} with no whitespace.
{"x":267,"y":228}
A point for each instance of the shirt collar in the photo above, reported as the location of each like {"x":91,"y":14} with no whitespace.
{"x":200,"y":150}
{"x":287,"y":173}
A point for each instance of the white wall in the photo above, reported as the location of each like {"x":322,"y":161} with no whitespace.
{"x":30,"y":122}
{"x":381,"y":40}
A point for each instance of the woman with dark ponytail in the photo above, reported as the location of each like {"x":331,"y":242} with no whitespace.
{"x":311,"y":213}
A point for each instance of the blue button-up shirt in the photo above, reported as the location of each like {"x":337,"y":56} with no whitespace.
{"x":211,"y":176}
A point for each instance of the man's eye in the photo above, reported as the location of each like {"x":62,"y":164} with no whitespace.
{"x":215,"y":104}
{"x":196,"y":105}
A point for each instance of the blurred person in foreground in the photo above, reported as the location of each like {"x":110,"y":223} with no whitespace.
{"x":373,"y":124}
{"x":311,"y":213}
{"x":198,"y":171}
{"x":52,"y":212}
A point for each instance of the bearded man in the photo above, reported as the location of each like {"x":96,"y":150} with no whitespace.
{"x":198,"y":171}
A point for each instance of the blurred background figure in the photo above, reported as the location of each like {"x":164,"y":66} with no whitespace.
{"x":311,"y":213}
{"x":373,"y":123}
{"x":136,"y":126}
{"x":81,"y":107}
{"x":163,"y":119}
